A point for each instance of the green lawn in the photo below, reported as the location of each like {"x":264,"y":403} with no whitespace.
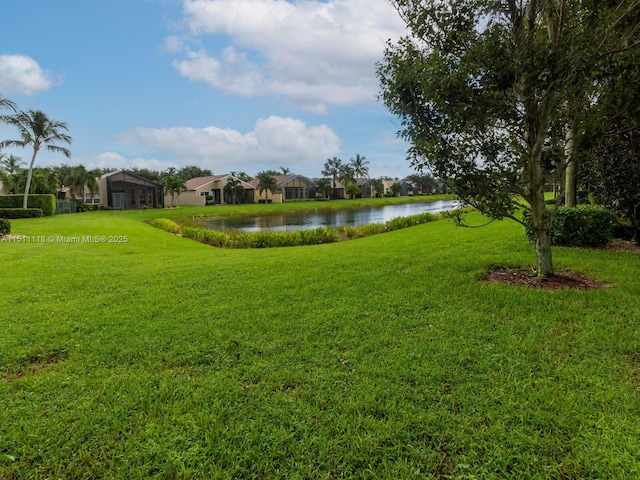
{"x":383,"y":357}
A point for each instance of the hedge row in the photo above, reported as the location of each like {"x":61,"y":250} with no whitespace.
{"x":46,"y":203}
{"x":581,"y":226}
{"x":14,"y":213}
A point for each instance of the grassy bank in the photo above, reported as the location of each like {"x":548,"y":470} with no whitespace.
{"x":382,"y":357}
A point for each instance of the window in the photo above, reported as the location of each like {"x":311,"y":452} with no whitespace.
{"x":132,"y":197}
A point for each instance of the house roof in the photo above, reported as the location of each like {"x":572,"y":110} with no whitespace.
{"x":280,"y":180}
{"x":125,"y":176}
{"x":198,"y":182}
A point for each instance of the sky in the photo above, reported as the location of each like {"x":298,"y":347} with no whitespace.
{"x":228,"y":85}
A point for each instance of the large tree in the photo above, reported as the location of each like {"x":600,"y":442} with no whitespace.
{"x":609,"y":150}
{"x":480,"y":86}
{"x":37,"y":131}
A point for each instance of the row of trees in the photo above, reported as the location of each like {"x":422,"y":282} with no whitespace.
{"x":346,"y":173}
{"x":501,"y":98}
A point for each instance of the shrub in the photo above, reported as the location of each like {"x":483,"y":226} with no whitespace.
{"x":46,"y":203}
{"x":581,"y":226}
{"x":270,"y":239}
{"x":5,"y":227}
{"x":84,"y":207}
{"x":166,"y":225}
{"x":14,"y":213}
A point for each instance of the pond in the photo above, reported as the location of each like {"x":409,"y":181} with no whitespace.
{"x":328,"y":218}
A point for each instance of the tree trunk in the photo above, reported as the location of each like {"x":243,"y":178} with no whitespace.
{"x":540,"y":216}
{"x":571,"y":172}
{"x":541,"y":220}
{"x":27,"y":187}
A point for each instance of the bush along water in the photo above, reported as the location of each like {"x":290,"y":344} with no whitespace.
{"x":580,"y":226}
{"x":270,"y":239}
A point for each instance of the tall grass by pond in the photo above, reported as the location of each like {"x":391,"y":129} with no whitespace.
{"x":271,"y":239}
{"x":382,"y":357}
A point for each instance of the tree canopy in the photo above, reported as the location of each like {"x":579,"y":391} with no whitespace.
{"x":483,"y":88}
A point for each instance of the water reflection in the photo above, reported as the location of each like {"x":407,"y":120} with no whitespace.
{"x":327,"y":218}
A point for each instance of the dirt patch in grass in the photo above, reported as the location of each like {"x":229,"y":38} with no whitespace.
{"x":526,"y":277}
{"x":34,"y":364}
{"x":623,"y":246}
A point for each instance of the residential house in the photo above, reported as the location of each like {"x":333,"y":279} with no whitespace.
{"x":288,"y":188}
{"x":366,"y":188}
{"x":408,"y":189}
{"x":210,"y":191}
{"x":126,"y":190}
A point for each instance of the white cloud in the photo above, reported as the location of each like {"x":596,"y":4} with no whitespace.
{"x":316,"y":53}
{"x":274,"y":141}
{"x":22,"y":75}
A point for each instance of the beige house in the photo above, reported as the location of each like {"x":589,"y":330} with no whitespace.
{"x":288,"y":188}
{"x":210,"y":191}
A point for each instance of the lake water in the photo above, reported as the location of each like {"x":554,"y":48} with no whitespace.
{"x":331,"y":218}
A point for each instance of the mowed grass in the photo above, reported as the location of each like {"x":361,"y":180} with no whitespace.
{"x":383,"y":357}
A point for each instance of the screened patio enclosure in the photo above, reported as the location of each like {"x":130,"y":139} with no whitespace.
{"x":127,"y":191}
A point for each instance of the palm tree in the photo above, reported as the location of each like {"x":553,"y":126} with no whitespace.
{"x":285,"y":170}
{"x":346,"y":175}
{"x":233,"y":188}
{"x":174,"y":185}
{"x":37,"y":130}
{"x":323,"y":185}
{"x":359,"y":165}
{"x":378,"y":186}
{"x":5,"y":103}
{"x":332,"y":169}
{"x":10,"y":164}
{"x":45,"y":181}
{"x":79,"y":178}
{"x":267,"y":184}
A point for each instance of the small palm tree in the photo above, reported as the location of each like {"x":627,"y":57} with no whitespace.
{"x":346,"y":175}
{"x":285,"y":170}
{"x":174,"y":185}
{"x":233,"y":189}
{"x":10,"y":164}
{"x":323,"y":185}
{"x":79,"y":179}
{"x":267,"y":184}
{"x":37,"y":130}
{"x":332,"y":169}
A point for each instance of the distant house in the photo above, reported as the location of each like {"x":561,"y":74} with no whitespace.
{"x":210,"y":191}
{"x":387,"y":185}
{"x":288,"y":188}
{"x":126,"y":190}
{"x":408,"y":189}
{"x":366,"y":188}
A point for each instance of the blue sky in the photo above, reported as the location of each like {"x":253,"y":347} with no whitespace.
{"x":229,"y":85}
